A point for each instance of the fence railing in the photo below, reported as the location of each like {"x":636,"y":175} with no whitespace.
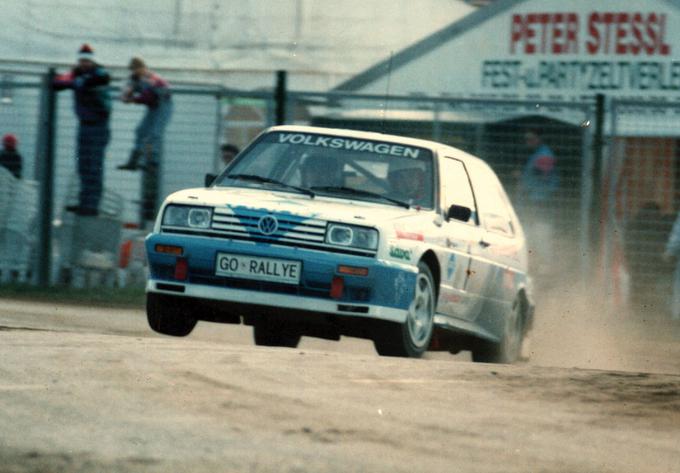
{"x":639,"y":165}
{"x":641,"y":192}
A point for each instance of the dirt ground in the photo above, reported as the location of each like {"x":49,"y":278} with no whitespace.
{"x":93,"y":390}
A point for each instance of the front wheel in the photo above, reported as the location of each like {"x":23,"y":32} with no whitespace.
{"x":509,"y":348}
{"x":169,"y":315}
{"x":411,"y":338}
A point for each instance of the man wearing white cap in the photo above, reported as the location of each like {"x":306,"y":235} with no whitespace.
{"x":92,"y":102}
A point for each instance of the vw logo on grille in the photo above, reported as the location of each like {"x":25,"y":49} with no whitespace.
{"x":268,"y":225}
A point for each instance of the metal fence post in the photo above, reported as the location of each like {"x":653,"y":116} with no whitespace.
{"x":598,"y":149}
{"x":45,"y":174}
{"x":219,"y":131}
{"x":608,"y":218}
{"x":437,"y":125}
{"x":280,"y":97}
{"x":587,"y":240}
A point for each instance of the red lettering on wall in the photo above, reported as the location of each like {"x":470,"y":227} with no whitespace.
{"x":623,"y":33}
{"x":544,"y":33}
{"x":593,"y":42}
{"x":614,"y":33}
{"x":664,"y":48}
{"x":516,"y":31}
{"x":636,"y":28}
{"x":530,"y":33}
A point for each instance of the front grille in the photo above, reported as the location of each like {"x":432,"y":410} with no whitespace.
{"x":244,"y":223}
{"x":292,"y":230}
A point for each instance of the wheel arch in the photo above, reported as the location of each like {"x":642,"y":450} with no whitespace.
{"x":526,"y":309}
{"x":430,"y":259}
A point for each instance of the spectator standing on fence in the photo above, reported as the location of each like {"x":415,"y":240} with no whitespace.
{"x":229,"y":152}
{"x":672,"y":252}
{"x":538,"y":185}
{"x":9,"y":156}
{"x":148,"y":88}
{"x":89,"y":82}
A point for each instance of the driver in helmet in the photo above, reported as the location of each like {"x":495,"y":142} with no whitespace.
{"x":321,"y":171}
{"x":407,"y":184}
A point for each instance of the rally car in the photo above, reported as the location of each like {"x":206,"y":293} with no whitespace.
{"x":327,"y":232}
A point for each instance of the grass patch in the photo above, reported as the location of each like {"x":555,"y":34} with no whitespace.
{"x":128,"y":297}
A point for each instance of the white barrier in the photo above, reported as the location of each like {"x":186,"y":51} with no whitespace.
{"x":88,"y":248}
{"x":18,"y":216}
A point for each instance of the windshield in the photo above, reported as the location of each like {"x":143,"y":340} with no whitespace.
{"x":379,"y":171}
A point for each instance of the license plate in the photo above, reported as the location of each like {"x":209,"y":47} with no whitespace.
{"x":255,"y":267}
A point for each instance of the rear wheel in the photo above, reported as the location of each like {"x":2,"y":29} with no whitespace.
{"x":270,"y":334}
{"x":508,"y":350}
{"x":169,"y":315}
{"x":411,"y":338}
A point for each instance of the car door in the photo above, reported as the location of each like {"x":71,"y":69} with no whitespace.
{"x":454,"y":297}
{"x":496,"y":253}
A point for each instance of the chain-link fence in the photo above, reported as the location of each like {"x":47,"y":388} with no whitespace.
{"x":190,"y":150}
{"x":20,"y":105}
{"x":641,"y":193}
{"x":542,"y":151}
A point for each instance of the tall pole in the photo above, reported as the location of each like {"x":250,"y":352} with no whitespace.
{"x":176,"y":19}
{"x":280,"y":97}
{"x":598,"y":152}
{"x":46,"y":177}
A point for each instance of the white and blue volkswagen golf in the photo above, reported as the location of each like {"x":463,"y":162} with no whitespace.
{"x":326,"y":232}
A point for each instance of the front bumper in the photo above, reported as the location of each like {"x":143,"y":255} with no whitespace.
{"x":385,"y":293}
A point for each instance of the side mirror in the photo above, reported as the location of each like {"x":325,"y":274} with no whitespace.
{"x":209,"y":179}
{"x":459,"y":212}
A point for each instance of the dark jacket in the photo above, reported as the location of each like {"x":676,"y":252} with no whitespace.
{"x":10,"y":159}
{"x":90,"y":89}
{"x":149,"y":91}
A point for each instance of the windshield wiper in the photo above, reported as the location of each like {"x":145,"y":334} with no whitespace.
{"x":352,"y":190}
{"x":268,"y":180}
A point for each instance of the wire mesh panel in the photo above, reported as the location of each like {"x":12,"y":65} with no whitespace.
{"x":642,"y":195}
{"x":540,"y":151}
{"x":188,"y":151}
{"x":191,"y":141}
{"x":189,"y":148}
{"x":18,"y":213}
{"x":20,"y":96}
{"x":242,"y":117}
{"x":20,"y":99}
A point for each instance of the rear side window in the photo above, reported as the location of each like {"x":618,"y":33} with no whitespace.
{"x":493,"y":203}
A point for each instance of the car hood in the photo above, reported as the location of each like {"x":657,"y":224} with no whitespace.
{"x":322,"y":207}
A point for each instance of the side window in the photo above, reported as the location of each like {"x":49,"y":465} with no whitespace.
{"x":494,"y":207}
{"x":456,"y":188}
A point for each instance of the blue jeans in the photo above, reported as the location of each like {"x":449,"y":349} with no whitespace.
{"x":92,"y":141}
{"x":149,"y":132}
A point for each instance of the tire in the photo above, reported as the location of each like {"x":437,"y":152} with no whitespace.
{"x":411,"y":338}
{"x":169,"y":315}
{"x":509,"y":348}
{"x":269,"y":334}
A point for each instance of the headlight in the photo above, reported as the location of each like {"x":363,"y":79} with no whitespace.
{"x":186,"y":216}
{"x":352,"y":235}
